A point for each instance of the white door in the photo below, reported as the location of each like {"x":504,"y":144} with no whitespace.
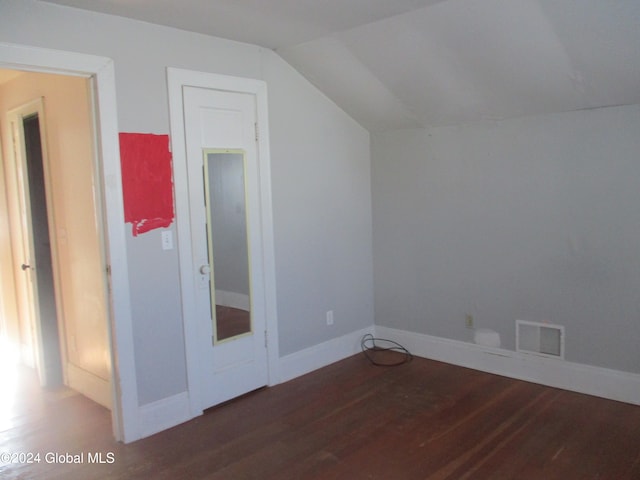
{"x":34,"y":254}
{"x":226,"y":243}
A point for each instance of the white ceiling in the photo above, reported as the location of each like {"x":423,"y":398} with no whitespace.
{"x":411,"y":63}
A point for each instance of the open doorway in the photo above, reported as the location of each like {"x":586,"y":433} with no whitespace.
{"x":125,"y":421}
{"x":54,"y":287}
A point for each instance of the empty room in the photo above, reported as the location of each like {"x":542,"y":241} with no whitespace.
{"x":356,"y":239}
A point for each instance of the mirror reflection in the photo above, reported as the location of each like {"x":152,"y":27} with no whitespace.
{"x":228,"y":243}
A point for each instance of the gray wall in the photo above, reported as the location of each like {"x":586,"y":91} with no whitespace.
{"x":535,"y":218}
{"x":322,"y":208}
{"x":320,"y":176}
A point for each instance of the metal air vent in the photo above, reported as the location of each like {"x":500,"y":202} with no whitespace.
{"x":540,"y":338}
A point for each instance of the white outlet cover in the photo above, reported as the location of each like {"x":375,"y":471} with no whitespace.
{"x":167,"y":240}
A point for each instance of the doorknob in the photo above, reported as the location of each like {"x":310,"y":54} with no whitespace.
{"x":205,"y":269}
{"x":24,"y":266}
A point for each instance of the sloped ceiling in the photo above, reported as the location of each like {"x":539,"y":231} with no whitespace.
{"x":411,"y":63}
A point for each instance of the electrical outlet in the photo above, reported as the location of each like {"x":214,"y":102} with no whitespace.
{"x":330,"y":317}
{"x":468,"y":321}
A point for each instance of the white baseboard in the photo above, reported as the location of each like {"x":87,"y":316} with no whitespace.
{"x":96,"y":388}
{"x":577,"y":377}
{"x":163,"y":414}
{"x":612,"y":384}
{"x":321,"y":355}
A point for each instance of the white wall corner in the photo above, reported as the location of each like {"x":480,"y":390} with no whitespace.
{"x":321,"y":355}
{"x":577,"y":377}
{"x":163,"y":414}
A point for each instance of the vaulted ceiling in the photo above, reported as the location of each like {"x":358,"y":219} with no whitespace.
{"x":412,"y":63}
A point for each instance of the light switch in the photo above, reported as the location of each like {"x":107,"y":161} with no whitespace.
{"x":167,"y":240}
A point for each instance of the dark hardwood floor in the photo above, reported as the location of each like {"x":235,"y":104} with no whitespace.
{"x":232,"y":321}
{"x":350,"y":420}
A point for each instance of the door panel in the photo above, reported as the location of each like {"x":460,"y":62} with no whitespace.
{"x":41,"y":267}
{"x":220,"y":125}
{"x":223,"y":126}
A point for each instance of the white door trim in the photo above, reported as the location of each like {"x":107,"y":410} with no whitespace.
{"x":176,"y":80}
{"x":123,"y":385}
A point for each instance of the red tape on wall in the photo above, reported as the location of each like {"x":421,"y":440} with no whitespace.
{"x":146,"y":181}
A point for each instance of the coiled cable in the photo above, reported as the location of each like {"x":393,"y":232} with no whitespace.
{"x":372,"y":350}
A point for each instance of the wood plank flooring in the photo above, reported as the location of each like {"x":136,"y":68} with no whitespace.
{"x":350,"y":420}
{"x":232,"y":321}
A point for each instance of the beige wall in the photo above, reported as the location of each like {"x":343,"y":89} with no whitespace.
{"x":8,"y":303}
{"x":69,"y":143}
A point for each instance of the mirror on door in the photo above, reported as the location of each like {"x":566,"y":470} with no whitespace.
{"x":225,"y":198}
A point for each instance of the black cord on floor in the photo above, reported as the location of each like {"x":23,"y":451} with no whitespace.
{"x":369,"y":344}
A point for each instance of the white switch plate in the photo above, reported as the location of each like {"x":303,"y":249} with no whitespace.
{"x":167,"y":240}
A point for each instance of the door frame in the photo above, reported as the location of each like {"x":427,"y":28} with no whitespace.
{"x":176,"y":80}
{"x":124,"y":412}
